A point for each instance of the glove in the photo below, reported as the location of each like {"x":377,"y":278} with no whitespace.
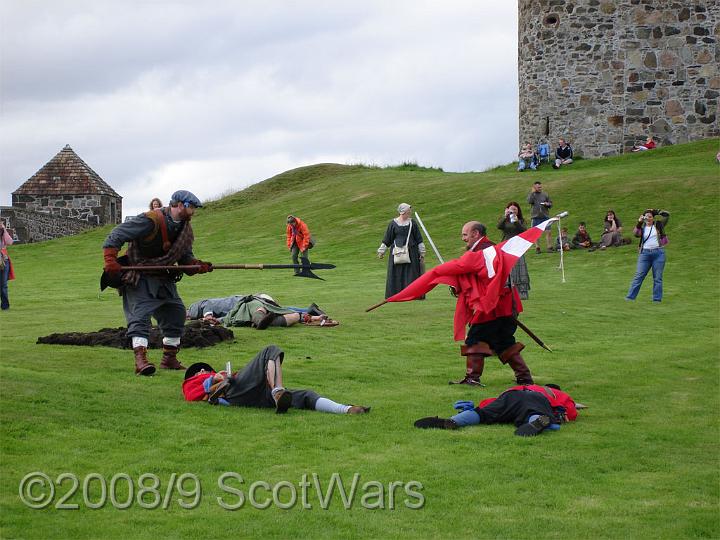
{"x":205,"y":267}
{"x":112,"y":266}
{"x":463,"y":405}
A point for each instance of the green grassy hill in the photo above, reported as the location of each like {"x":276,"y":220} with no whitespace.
{"x":642,"y":461}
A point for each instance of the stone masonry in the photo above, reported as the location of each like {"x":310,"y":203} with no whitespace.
{"x":606,"y":74}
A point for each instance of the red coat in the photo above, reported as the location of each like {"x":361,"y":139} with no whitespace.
{"x":193,"y":388}
{"x":298,"y":232}
{"x":480,"y":298}
{"x":557,"y":398}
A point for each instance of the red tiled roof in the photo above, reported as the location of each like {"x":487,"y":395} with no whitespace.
{"x":66,"y":174}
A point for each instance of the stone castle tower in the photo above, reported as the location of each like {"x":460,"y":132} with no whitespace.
{"x":605,"y":74}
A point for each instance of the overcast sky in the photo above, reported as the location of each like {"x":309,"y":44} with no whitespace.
{"x":212,"y":96}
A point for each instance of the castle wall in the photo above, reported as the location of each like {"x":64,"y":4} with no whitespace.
{"x":33,"y":226}
{"x":605,"y":74}
{"x":93,"y":209}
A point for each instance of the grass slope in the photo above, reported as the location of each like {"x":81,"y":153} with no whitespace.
{"x":642,"y":461}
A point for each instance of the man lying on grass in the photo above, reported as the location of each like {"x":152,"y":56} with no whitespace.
{"x":259,"y":384}
{"x":531,"y":408}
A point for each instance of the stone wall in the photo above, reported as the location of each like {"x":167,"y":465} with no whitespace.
{"x":606,"y":74}
{"x":93,"y":209}
{"x":38,"y":226}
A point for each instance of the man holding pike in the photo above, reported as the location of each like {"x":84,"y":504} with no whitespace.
{"x":159,"y":237}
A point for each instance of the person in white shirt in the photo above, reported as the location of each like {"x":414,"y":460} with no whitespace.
{"x":650,"y":229}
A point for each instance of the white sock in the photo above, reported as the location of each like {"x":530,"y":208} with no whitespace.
{"x":329,"y":406}
{"x":139,"y":342}
{"x":171,"y":341}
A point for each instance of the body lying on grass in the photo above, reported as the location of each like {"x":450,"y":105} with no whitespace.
{"x":258,"y":384}
{"x":258,"y":310}
{"x":531,"y":408}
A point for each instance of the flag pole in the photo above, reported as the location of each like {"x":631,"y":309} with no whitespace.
{"x":562,"y":251}
{"x":427,"y":235}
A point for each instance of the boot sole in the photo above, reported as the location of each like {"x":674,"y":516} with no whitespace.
{"x":533,"y":428}
{"x":147,"y":371}
{"x":283,"y":403}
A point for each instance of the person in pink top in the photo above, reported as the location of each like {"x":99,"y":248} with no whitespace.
{"x":6,"y":270}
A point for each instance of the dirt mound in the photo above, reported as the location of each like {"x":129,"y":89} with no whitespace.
{"x":197,"y":334}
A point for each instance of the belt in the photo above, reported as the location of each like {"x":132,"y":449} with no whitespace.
{"x":652,"y":249}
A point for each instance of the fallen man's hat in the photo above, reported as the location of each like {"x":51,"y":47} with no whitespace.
{"x":196,"y":368}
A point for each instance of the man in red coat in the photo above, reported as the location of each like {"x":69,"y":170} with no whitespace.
{"x":492,"y":332}
{"x":298,"y":240}
{"x":531,"y":408}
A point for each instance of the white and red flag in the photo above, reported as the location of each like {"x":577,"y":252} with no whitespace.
{"x":479,"y":277}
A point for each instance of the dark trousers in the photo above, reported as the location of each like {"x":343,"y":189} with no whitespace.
{"x":4,"y":277}
{"x":498,"y":333}
{"x":294,"y":251}
{"x":514,"y":407}
{"x":251,"y":389}
{"x":139,"y":304}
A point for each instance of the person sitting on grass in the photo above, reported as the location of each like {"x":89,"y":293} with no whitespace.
{"x":649,"y":144}
{"x":582,"y":239}
{"x":563,"y":241}
{"x":527,"y":158}
{"x":532,"y":408}
{"x":563,"y":154}
{"x":258,"y":384}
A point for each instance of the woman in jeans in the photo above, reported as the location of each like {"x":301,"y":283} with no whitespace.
{"x":650,"y":229}
{"x":6,"y":272}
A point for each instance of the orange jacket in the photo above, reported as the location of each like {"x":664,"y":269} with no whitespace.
{"x":298,"y":233}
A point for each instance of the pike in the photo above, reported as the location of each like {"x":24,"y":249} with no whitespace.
{"x":522,"y":326}
{"x":307,"y":270}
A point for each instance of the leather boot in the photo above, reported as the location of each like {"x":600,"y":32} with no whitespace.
{"x":474,"y":363}
{"x":142,"y":366}
{"x":512,"y":357}
{"x":169,"y":358}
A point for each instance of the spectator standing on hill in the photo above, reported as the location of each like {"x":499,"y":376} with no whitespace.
{"x":563,"y":154}
{"x":6,"y":269}
{"x":405,"y":262}
{"x":159,"y":237}
{"x":298,"y":241}
{"x":650,"y":229}
{"x":155,"y":203}
{"x":512,"y":224}
{"x":540,"y":204}
{"x":582,"y":239}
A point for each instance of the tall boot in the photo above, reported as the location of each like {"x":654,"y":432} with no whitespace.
{"x":474,"y":363}
{"x":512,"y":357}
{"x":169,"y":358}
{"x":142,"y":366}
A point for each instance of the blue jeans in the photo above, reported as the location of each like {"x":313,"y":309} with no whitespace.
{"x":648,"y":259}
{"x":523,"y":163}
{"x":4,"y":276}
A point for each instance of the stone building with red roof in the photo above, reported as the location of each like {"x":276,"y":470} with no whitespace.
{"x":64,"y":197}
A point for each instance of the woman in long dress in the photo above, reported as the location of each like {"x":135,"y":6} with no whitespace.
{"x":512,"y":224}
{"x":400,"y":276}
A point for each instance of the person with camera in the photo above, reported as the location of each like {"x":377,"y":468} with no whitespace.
{"x":512,"y":224}
{"x":159,"y":237}
{"x":6,"y":270}
{"x":650,"y":228}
